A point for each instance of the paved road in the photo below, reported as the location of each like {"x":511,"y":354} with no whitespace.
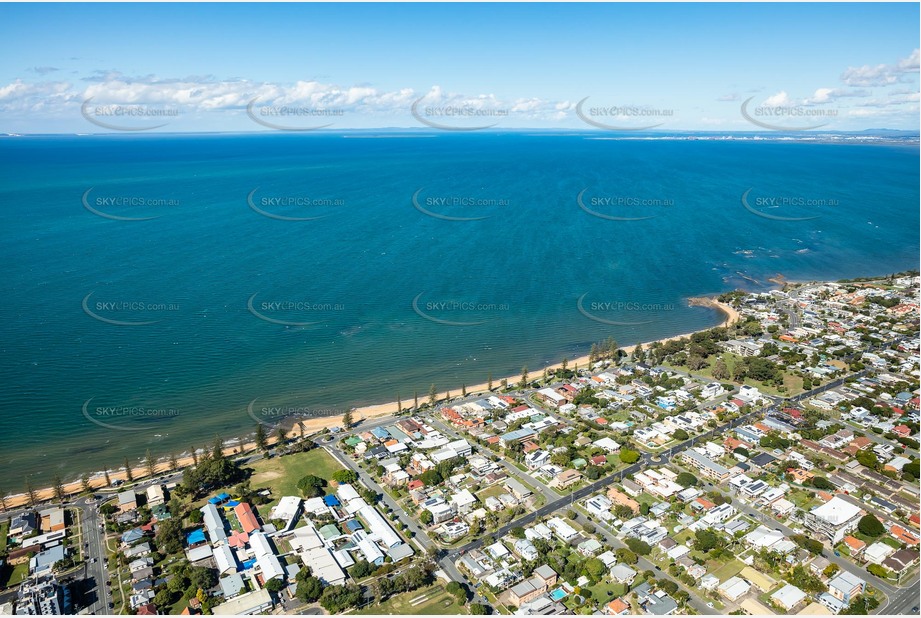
{"x":845,"y":564}
{"x":905,"y":601}
{"x":348,"y":462}
{"x":645,"y":565}
{"x":94,"y":537}
{"x":511,"y":468}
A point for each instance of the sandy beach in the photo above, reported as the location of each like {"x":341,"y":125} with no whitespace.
{"x":97,"y":480}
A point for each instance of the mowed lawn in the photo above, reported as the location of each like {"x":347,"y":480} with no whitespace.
{"x":13,"y":575}
{"x":281,"y":474}
{"x":432,"y":601}
{"x":724,"y":572}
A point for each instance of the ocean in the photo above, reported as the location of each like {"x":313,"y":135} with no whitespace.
{"x":163,"y":289}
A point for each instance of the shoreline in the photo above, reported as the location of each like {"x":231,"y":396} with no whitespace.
{"x":245,"y":444}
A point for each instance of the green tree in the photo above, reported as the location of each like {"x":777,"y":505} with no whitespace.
{"x":58,"y":487}
{"x":309,"y":588}
{"x":345,"y":476}
{"x":311,"y":486}
{"x":431,"y":478}
{"x":426,"y":517}
{"x":870,"y":526}
{"x":595,"y":569}
{"x":638,"y":547}
{"x":217,"y":448}
{"x":347,"y":419}
{"x":705,"y":540}
{"x":626,"y":556}
{"x":686,"y":479}
{"x":274,"y":585}
{"x":169,"y":535}
{"x":720,"y":371}
{"x":261,"y":442}
{"x":129,"y":475}
{"x":867,"y":458}
{"x":336,"y":599}
{"x":628,"y":457}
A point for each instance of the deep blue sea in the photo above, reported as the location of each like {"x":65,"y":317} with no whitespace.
{"x":156,"y":291}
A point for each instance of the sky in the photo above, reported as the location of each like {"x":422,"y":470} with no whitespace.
{"x":71,"y":68}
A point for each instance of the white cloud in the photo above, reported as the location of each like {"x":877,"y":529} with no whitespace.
{"x":882,"y":74}
{"x":827,"y":95}
{"x":778,"y":100}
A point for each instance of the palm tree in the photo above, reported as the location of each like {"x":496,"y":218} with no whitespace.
{"x":30,"y":492}
{"x":260,"y":438}
{"x":58,"y":487}
{"x":217,"y":451}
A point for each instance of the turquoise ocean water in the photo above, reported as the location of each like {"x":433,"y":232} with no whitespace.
{"x":420,"y":259}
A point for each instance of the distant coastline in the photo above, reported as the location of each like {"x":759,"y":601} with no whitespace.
{"x":245,"y":444}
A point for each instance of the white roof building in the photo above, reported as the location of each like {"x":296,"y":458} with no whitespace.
{"x":607,"y":444}
{"x":324,"y":566}
{"x":265,"y":557}
{"x":286,"y":509}
{"x":214,"y":524}
{"x":316,"y":506}
{"x":225,"y":560}
{"x":562,"y":529}
{"x":463,"y":500}
{"x":380,"y":530}
{"x":201,"y":552}
{"x":788,"y":597}
{"x":255,"y":602}
{"x":734,"y":588}
{"x":833,"y":519}
{"x":877,"y":552}
{"x":346,"y":493}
